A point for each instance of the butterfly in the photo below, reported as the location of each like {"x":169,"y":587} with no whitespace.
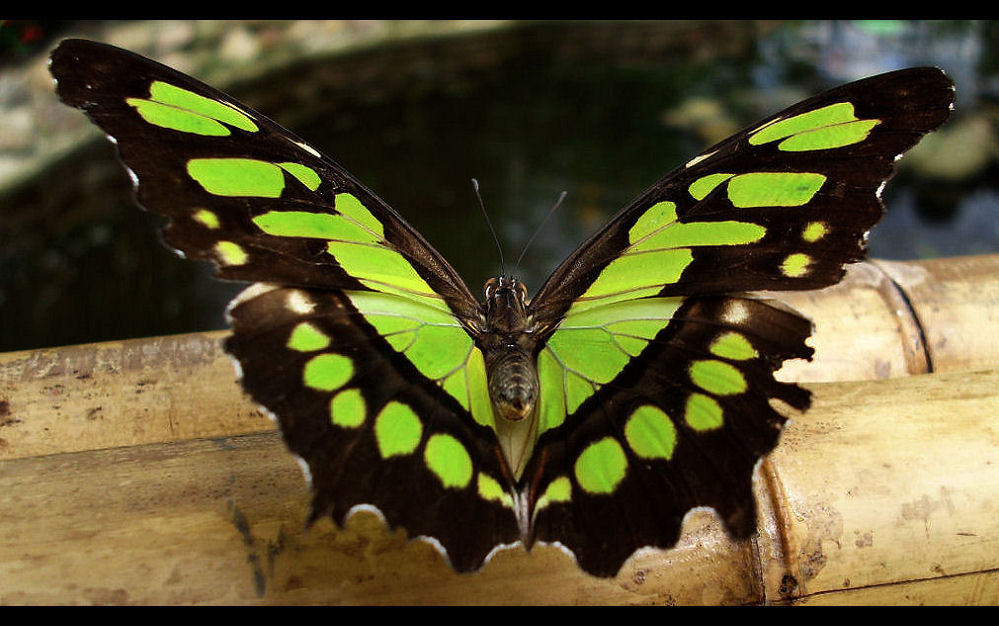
{"x":635,"y":385}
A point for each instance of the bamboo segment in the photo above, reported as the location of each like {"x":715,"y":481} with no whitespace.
{"x":121,"y":394}
{"x":887,"y":485}
{"x":957,"y":304}
{"x":143,"y":391}
{"x":860,"y":331}
{"x":889,"y":319}
{"x":136,"y":472}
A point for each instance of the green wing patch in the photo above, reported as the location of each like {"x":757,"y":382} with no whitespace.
{"x":831,"y":126}
{"x":435,"y":343}
{"x":591,"y":347}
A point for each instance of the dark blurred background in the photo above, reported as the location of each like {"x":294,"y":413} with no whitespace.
{"x":416,"y":109}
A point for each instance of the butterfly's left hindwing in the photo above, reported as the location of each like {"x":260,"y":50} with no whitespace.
{"x":681,"y":425}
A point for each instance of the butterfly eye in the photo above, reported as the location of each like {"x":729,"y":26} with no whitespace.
{"x":521,"y":291}
{"x":490,"y":288}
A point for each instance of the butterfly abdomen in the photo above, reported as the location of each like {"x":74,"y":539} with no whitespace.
{"x":513,"y":382}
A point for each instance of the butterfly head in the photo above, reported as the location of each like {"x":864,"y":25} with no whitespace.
{"x":507,"y":288}
{"x":506,"y":304}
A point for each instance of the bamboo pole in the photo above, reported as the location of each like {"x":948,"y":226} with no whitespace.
{"x":137,"y":472}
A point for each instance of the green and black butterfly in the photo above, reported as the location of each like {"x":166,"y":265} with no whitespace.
{"x":636,"y":384}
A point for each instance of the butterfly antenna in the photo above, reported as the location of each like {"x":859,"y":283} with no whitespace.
{"x":537,"y":231}
{"x":475,"y":186}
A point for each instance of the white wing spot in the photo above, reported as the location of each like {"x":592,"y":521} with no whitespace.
{"x":370,"y":508}
{"x":305,"y":470}
{"x":300,"y":303}
{"x":309,"y":149}
{"x":735,"y":313}
{"x":697,"y":159}
{"x":251,"y":292}
{"x":239,"y":108}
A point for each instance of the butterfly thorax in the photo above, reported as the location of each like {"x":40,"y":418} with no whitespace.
{"x":508,"y":347}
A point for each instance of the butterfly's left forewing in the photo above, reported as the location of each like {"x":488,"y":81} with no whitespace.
{"x":782,"y":205}
{"x":356,"y":337}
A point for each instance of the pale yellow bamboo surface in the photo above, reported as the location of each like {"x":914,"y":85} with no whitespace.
{"x":136,"y":472}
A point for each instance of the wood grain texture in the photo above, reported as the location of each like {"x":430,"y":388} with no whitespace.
{"x":136,"y":472}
